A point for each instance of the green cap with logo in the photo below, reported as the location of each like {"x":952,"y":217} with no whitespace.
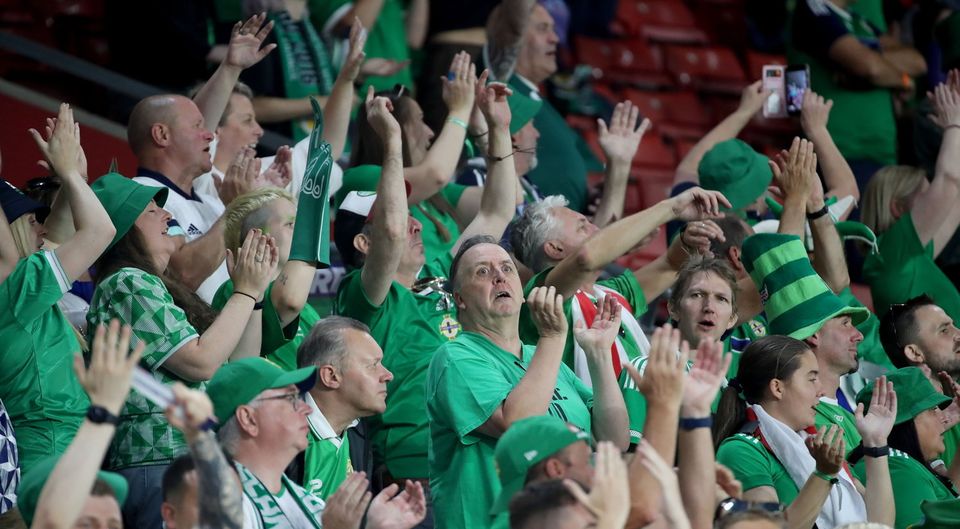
{"x":942,"y":514}
{"x":797,"y":302}
{"x":733,"y":168}
{"x":526,"y":443}
{"x":915,"y":393}
{"x":33,"y":480}
{"x":240,"y":381}
{"x":125,"y":200}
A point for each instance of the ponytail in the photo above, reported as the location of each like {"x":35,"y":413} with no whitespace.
{"x":731,"y":415}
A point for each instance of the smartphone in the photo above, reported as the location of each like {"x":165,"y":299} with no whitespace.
{"x":773,"y":81}
{"x":798,"y":81}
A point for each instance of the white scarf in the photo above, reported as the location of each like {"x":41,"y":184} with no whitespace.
{"x":627,"y":322}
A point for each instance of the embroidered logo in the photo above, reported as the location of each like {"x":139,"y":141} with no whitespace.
{"x":194,"y":231}
{"x":449,"y":326}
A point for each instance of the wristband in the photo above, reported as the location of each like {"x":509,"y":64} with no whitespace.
{"x":257,"y":305}
{"x":249,"y":296}
{"x":817,"y":214}
{"x":457,"y":121}
{"x":689,"y":423}
{"x":876,"y":451}
{"x":906,"y":81}
{"x":832,"y":480}
{"x":100,"y":415}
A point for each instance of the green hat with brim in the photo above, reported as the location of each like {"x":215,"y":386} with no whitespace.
{"x":238,"y":382}
{"x":733,"y":168}
{"x":915,"y":393}
{"x":943,"y":514}
{"x":125,"y":200}
{"x":796,"y":300}
{"x":522,"y":110}
{"x":33,"y":480}
{"x":526,"y":443}
{"x":359,"y":178}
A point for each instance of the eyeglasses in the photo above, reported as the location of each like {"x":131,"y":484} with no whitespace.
{"x":292,"y":398}
{"x":731,"y":506}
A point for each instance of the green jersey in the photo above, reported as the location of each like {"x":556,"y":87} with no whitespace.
{"x":327,"y":458}
{"x":409,"y":326}
{"x":755,"y":466}
{"x":740,"y":337}
{"x":829,"y":412}
{"x":951,"y":441}
{"x":278,"y":344}
{"x":904,"y":268}
{"x":45,"y":401}
{"x":139,"y":299}
{"x":469,"y":378}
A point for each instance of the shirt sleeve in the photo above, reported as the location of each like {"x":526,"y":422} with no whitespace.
{"x":36,"y":284}
{"x":745,"y":457}
{"x":452,"y":193}
{"x":815,"y":28}
{"x":352,"y":300}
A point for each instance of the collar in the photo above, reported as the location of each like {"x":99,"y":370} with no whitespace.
{"x":160,"y":177}
{"x":319,"y":424}
{"x":534,"y":88}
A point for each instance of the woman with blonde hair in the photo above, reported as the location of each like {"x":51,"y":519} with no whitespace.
{"x":915,"y":219}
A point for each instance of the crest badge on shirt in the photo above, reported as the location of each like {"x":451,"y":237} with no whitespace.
{"x":449,"y":326}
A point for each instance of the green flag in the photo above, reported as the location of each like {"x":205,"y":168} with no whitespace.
{"x":311,"y":233}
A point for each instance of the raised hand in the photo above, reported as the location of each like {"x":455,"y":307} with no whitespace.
{"x":609,"y":498}
{"x":81,"y":156}
{"x":875,"y":426}
{"x":753,"y":97}
{"x":492,"y":102}
{"x":380,"y":116}
{"x":705,"y":378}
{"x":946,"y":105}
{"x":697,"y":203}
{"x":254,"y":265}
{"x":663,"y":379}
{"x":621,"y":139}
{"x":459,"y":85}
{"x":280,"y":172}
{"x":355,"y":55}
{"x":390,"y":510}
{"x":346,"y":506}
{"x":951,"y":415}
{"x":828,"y":449}
{"x":189,"y":411}
{"x":667,"y":478}
{"x":697,"y":236}
{"x":546,"y":308}
{"x":244,"y":49}
{"x":61,"y":148}
{"x":815,"y":112}
{"x":107,"y":380}
{"x":597,"y":340}
{"x":795,"y":171}
{"x":241,"y":177}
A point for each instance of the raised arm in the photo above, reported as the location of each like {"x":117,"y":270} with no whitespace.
{"x":838,"y":178}
{"x":620,"y":143}
{"x":829,"y":259}
{"x":875,"y":427}
{"x":9,"y":255}
{"x":505,"y":29}
{"x":366,"y":10}
{"x":417,"y":22}
{"x":751,"y":101}
{"x":107,"y":382}
{"x":791,"y":172}
{"x":59,"y":223}
{"x":935,"y":212}
{"x":339,"y":105}
{"x":243,"y":52}
{"x":388,"y":229}
{"x":94,"y":229}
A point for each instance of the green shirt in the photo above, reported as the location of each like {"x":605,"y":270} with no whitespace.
{"x":830,"y":413}
{"x":912,"y":484}
{"x":277,"y":344}
{"x":45,"y":401}
{"x":434,"y":245}
{"x":625,"y":284}
{"x":951,"y":440}
{"x":904,"y":268}
{"x":409,"y":327}
{"x":740,"y":337}
{"x":387,"y":38}
{"x":327,"y":458}
{"x":469,"y":378}
{"x":755,"y":466}
{"x":139,"y":299}
{"x":562,"y":156}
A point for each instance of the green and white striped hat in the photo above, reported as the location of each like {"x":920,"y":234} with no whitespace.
{"x":796,"y":300}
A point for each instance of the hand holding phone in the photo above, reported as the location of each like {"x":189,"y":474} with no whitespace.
{"x":797,"y":83}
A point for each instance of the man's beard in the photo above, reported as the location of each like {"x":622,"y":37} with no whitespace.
{"x":951,"y":366}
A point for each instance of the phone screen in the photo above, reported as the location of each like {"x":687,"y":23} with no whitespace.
{"x":798,"y":82}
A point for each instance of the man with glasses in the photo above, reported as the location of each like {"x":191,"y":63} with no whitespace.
{"x":919,"y":333}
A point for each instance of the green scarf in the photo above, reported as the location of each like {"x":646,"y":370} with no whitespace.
{"x":307,"y":67}
{"x":311,"y":233}
{"x":271,"y":516}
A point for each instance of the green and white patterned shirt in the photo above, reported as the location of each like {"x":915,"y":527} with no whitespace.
{"x":144,"y":437}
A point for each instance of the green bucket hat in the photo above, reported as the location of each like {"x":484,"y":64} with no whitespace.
{"x":522,"y":110}
{"x":733,"y":168}
{"x":796,"y":300}
{"x":32,"y":482}
{"x":125,"y":200}
{"x":526,"y":443}
{"x":943,"y":514}
{"x":915,"y":393}
{"x":237,"y":383}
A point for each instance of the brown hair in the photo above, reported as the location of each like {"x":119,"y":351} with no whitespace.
{"x":700,"y":265}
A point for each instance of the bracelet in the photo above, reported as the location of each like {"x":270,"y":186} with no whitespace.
{"x":248,"y":295}
{"x":690,"y":423}
{"x":832,"y":480}
{"x":876,"y":451}
{"x":817,"y":214}
{"x":457,"y":121}
{"x":954,"y":126}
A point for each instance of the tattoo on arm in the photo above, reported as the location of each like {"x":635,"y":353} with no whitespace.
{"x":219,"y":497}
{"x":282,"y":279}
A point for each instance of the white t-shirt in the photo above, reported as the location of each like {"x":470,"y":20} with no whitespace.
{"x":196,"y":216}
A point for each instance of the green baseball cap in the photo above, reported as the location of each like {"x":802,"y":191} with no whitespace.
{"x":237,"y":383}
{"x":733,"y":168}
{"x":125,"y":200}
{"x":915,"y":393}
{"x":943,"y":514}
{"x":522,"y":109}
{"x":33,"y":480}
{"x":797,"y":302}
{"x":526,"y":443}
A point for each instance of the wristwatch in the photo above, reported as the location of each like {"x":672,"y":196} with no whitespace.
{"x":100,"y":415}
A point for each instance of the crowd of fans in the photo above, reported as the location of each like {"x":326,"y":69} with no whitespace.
{"x":486,"y":365}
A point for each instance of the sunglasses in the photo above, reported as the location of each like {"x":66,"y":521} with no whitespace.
{"x":731,"y":506}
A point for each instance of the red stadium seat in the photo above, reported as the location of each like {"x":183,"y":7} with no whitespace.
{"x":675,"y":114}
{"x":712,"y":69}
{"x":658,"y":21}
{"x":756,"y":61}
{"x":625,"y":61}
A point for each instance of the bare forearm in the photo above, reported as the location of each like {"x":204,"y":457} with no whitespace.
{"x":94,"y":229}
{"x":438,"y":166}
{"x":250,"y":338}
{"x":336,"y":115}
{"x":828,"y":257}
{"x":218,"y":496}
{"x":696,"y":475}
{"x":366,"y":10}
{"x":418,"y":14}
{"x":498,"y":199}
{"x":619,"y":237}
{"x":280,"y":109}
{"x":794,"y":216}
{"x":389,"y":226}
{"x":802,"y":512}
{"x":610,"y":420}
{"x":59,"y":223}
{"x":614,"y":189}
{"x":212,"y":99}
{"x":660,"y":430}
{"x":727,"y":129}
{"x":196,"y":260}
{"x":291,"y":289}
{"x":879,"y":495}
{"x":838,"y":178}
{"x":533,"y":394}
{"x":906,"y":60}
